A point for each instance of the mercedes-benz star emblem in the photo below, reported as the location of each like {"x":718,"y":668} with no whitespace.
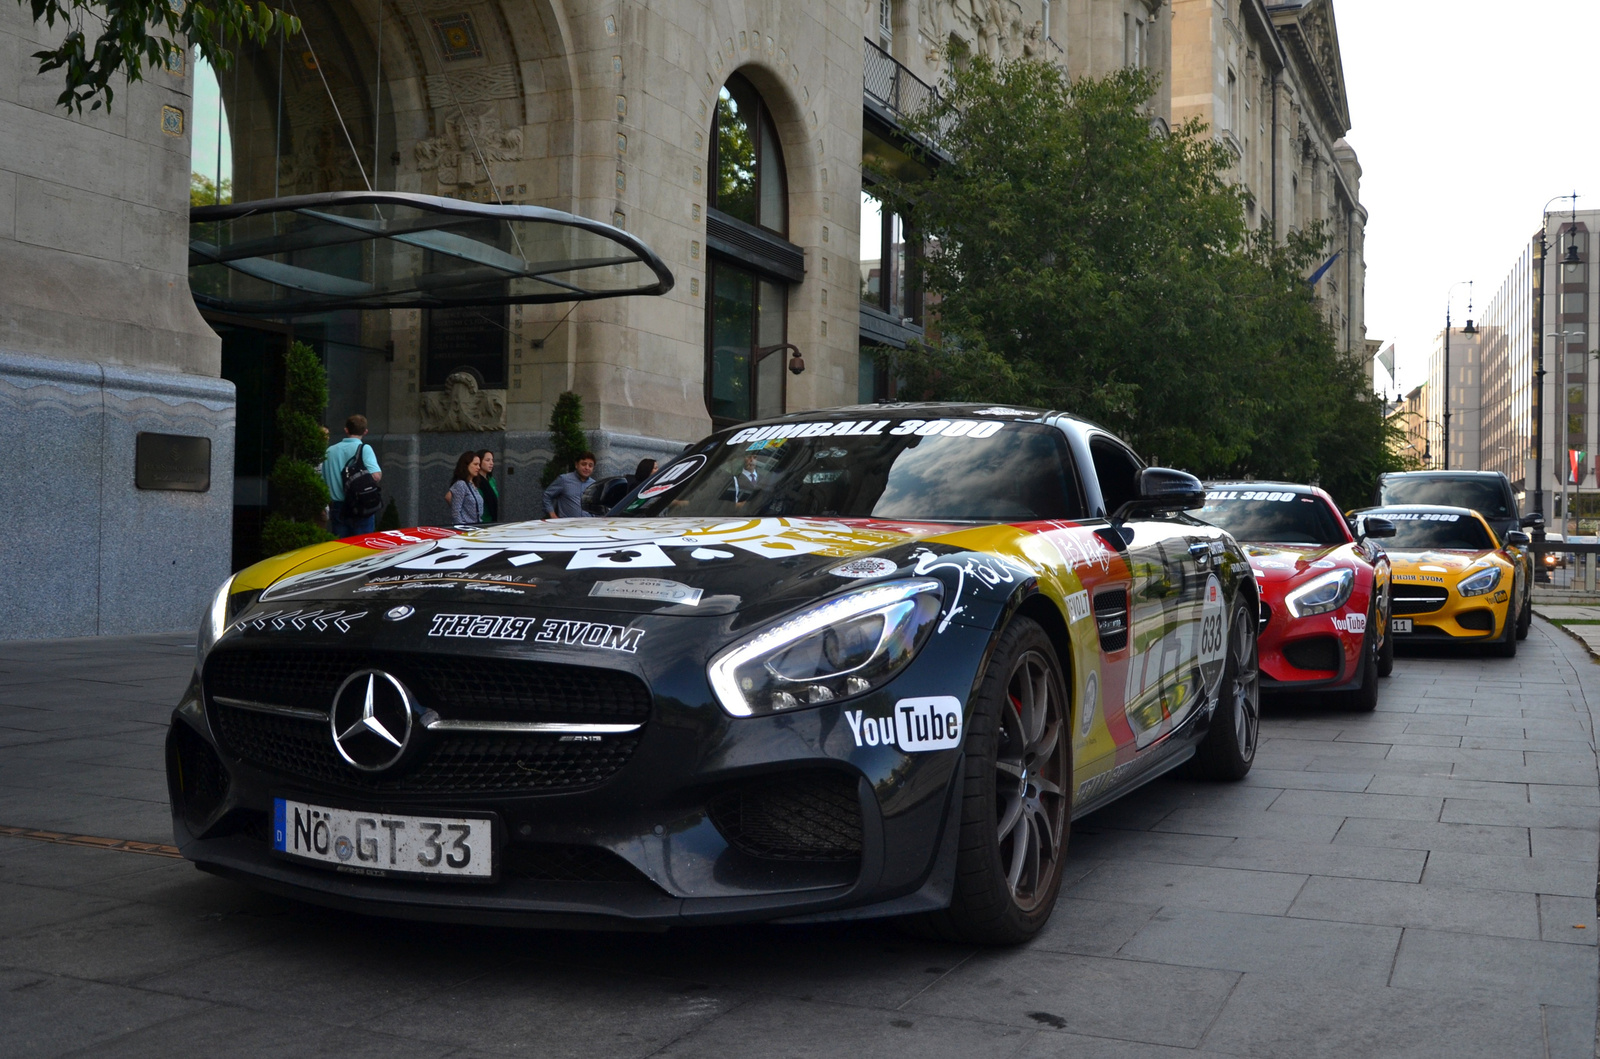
{"x":400,"y":613}
{"x":371,"y":720}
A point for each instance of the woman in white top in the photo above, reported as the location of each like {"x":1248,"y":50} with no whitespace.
{"x":466,"y":503}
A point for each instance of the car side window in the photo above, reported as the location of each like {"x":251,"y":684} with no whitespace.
{"x":1117,"y":469}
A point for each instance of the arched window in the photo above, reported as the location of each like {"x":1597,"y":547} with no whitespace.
{"x":750,"y":264}
{"x":750,"y":185}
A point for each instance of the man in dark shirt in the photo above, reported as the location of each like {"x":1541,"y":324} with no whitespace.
{"x":564,"y":498}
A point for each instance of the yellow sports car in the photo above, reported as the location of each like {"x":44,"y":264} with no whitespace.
{"x":1453,"y":580}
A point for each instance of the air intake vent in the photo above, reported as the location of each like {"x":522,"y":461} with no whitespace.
{"x":1111,"y":616}
{"x":1321,"y":653}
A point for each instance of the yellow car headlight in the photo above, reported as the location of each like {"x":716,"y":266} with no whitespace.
{"x":1480,"y":583}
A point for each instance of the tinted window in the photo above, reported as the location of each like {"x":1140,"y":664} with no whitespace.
{"x":1487,"y":496}
{"x":960,"y":470}
{"x":1273,"y":516}
{"x":1117,"y":470}
{"x":1417,"y":531}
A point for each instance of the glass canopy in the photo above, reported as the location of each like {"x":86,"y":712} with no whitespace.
{"x":388,"y":250}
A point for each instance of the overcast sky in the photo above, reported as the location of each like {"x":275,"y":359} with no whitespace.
{"x":1466,"y":116}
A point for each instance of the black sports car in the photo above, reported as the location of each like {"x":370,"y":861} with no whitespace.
{"x":862,"y":662}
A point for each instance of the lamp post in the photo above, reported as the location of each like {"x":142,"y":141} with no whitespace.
{"x":1564,"y":338}
{"x":1468,"y":330}
{"x":1536,"y":406}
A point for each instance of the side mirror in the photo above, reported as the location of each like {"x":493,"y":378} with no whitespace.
{"x":1376,"y":527}
{"x":1163,"y":489}
{"x":1531,"y":520}
{"x":1517,"y":539}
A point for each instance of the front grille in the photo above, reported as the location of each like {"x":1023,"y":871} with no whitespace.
{"x":458,"y":687}
{"x":450,"y":762}
{"x":1418,"y":599}
{"x":1111,"y":618}
{"x":549,"y":862}
{"x":1319,"y":652}
{"x":199,"y":775}
{"x":802,"y":816}
{"x":1480,"y":619}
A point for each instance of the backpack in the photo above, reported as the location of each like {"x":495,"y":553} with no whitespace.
{"x":362,"y":497}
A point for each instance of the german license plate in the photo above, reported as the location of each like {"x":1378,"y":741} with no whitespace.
{"x":384,"y":843}
{"x":1400,"y":624}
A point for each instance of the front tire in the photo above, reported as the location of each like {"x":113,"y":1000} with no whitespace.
{"x":1017,"y":798}
{"x":1525,"y":615}
{"x":1386,"y":630}
{"x":1229,"y":748}
{"x":1506,"y":646}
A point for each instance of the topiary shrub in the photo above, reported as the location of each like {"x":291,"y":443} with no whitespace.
{"x":567,"y":439}
{"x":299,"y":494}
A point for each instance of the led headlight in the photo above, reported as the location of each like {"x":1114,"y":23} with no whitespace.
{"x":1321,"y":594}
{"x":1479,"y":583}
{"x":215,"y":621}
{"x":844,"y":647}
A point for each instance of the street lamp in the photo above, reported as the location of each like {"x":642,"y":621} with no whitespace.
{"x":1565,"y":337}
{"x":1536,"y":406}
{"x":1468,"y":330}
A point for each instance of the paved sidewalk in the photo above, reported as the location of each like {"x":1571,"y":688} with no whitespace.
{"x":1415,"y":882}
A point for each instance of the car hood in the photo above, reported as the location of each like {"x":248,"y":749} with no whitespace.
{"x":1278,"y":563}
{"x":1434,"y":563}
{"x":682,"y":566}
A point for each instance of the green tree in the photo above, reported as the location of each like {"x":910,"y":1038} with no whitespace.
{"x":1080,"y":261}
{"x":299,"y":494}
{"x":567,"y":439}
{"x":203,"y":191}
{"x":128,"y":34}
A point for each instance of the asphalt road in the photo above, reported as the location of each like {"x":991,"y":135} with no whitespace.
{"x":1415,"y":882}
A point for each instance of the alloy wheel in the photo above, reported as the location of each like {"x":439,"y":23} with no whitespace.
{"x":1031,"y":781}
{"x":1245,"y":690}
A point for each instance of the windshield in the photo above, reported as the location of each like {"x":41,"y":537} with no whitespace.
{"x":1485,"y":496}
{"x":939,"y":470}
{"x":1273,"y":516}
{"x":1419,"y":531}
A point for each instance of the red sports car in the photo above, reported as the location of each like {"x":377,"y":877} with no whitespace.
{"x":1324,"y":592}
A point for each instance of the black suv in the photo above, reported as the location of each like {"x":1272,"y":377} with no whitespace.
{"x":1486,"y":492}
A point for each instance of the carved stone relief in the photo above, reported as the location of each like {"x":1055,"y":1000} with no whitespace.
{"x":455,"y":156}
{"x":472,"y":86}
{"x":462,"y":407}
{"x":989,"y":27}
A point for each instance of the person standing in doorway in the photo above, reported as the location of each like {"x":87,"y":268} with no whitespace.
{"x":338,"y":457}
{"x":564,"y":498}
{"x":466,"y":502}
{"x":488,"y":486}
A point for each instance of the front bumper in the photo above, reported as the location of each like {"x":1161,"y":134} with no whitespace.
{"x":1311,"y":654}
{"x":708,"y":819}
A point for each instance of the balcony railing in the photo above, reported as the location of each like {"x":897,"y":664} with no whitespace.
{"x":897,"y":90}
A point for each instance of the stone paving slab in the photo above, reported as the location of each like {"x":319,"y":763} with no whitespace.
{"x":1418,"y":881}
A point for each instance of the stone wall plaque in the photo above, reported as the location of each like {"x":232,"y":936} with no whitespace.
{"x":468,"y":338}
{"x":172,"y":461}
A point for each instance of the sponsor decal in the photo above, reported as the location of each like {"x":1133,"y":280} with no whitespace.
{"x":915,"y":725}
{"x":647,"y":588}
{"x":545,"y":630}
{"x":1078,"y":548}
{"x":1501,"y":596}
{"x":988,"y":570}
{"x":1435,"y":569}
{"x":1274,"y":496}
{"x":1269,"y":564}
{"x":1217,"y":547}
{"x":999,"y":411}
{"x":299,"y":620}
{"x":673,"y":476}
{"x":1078,"y":606}
{"x":510,"y":584}
{"x":400,"y":613}
{"x":1415,"y":516}
{"x":1419,"y":579}
{"x":925,"y":428}
{"x":1324,"y":564}
{"x":481,"y":626}
{"x":867,"y":566}
{"x":386,"y":540}
{"x":1356,"y":623}
{"x":1091,"y":702}
{"x":589,"y":634}
{"x":1097,"y":785}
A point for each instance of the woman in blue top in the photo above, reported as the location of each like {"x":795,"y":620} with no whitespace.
{"x":466,"y":503}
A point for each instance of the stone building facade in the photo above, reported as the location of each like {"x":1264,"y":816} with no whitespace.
{"x":1267,"y":80}
{"x":1464,"y":406}
{"x":728,"y":135}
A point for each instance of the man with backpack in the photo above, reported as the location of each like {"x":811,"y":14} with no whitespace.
{"x":352,"y":474}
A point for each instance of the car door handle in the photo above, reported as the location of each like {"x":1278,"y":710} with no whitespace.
{"x":1201,"y":552}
